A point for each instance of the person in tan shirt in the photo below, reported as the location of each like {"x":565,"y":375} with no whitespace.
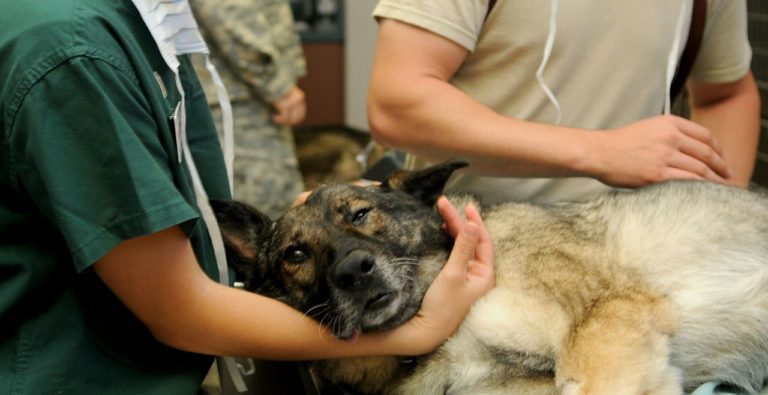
{"x":451,"y":79}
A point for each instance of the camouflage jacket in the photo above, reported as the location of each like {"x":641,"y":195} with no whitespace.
{"x":253,"y":45}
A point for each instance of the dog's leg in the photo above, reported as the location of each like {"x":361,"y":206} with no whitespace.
{"x":514,"y":386}
{"x":431,"y":378}
{"x":621,"y":348}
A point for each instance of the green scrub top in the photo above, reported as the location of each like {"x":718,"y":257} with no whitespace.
{"x":88,"y":159}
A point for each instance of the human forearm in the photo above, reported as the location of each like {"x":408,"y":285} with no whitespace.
{"x":432,"y":119}
{"x":413,"y":106}
{"x":159,"y":280}
{"x":251,"y":325}
{"x":436,"y":121}
{"x":734,"y":119}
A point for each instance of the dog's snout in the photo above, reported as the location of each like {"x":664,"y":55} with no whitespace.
{"x":354,"y":270}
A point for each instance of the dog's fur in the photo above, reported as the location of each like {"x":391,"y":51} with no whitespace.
{"x":646,"y":292}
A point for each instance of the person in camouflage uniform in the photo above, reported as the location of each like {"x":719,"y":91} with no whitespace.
{"x":258,"y":53}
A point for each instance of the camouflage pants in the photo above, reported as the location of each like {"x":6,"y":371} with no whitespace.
{"x":266,"y":171}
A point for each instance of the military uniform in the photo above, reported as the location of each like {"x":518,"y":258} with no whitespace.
{"x":258,"y":54}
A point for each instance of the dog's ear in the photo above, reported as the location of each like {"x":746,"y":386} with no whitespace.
{"x":426,"y":184}
{"x":243,"y":229}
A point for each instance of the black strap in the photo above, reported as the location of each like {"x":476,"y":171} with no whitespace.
{"x":491,"y":3}
{"x":695,"y":34}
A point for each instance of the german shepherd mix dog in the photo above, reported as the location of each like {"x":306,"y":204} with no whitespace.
{"x":653,"y":291}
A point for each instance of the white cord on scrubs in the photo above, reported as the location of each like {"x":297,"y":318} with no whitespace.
{"x":227,"y":121}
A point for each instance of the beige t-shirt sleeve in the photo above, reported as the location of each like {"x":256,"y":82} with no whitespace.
{"x":459,"y":21}
{"x":725,"y":53}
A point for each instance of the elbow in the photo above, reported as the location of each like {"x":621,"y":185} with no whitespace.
{"x":388,"y":123}
{"x":174,"y":336}
{"x":188,"y":339}
{"x":382,"y":127}
{"x":185,"y":329}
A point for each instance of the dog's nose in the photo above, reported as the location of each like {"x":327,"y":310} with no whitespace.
{"x":354,"y":270}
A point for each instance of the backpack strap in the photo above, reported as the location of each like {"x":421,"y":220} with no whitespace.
{"x":695,"y":35}
{"x":491,"y":3}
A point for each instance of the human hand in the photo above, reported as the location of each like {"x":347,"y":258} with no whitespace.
{"x":301,"y":198}
{"x":661,"y":148}
{"x":290,"y":109}
{"x":467,"y":275}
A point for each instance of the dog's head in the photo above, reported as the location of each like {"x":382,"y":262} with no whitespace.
{"x":354,"y":258}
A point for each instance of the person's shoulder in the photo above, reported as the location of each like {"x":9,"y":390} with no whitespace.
{"x":64,"y":17}
{"x":36,"y":29}
{"x":38,"y":36}
{"x":41,"y":36}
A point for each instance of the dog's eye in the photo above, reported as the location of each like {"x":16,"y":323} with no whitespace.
{"x":295,"y":255}
{"x":359,"y":215}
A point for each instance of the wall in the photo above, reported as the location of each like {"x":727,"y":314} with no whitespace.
{"x":322,"y":36}
{"x":360,"y":44}
{"x":758,"y":37}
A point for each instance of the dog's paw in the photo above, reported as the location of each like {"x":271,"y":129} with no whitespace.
{"x":570,"y":387}
{"x":667,"y":385}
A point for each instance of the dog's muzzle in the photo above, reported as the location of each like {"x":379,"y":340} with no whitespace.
{"x":356,"y":275}
{"x":355,"y":271}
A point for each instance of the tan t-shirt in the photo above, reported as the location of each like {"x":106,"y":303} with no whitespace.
{"x":607,"y":67}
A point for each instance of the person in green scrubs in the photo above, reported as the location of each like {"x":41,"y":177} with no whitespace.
{"x":108,"y":283}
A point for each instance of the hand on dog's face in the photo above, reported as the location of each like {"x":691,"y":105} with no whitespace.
{"x":354,"y":258}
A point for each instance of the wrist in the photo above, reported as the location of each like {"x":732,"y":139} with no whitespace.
{"x":583,"y":153}
{"x":409,"y":339}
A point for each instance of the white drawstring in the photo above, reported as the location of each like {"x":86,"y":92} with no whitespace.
{"x":674,"y":53}
{"x":227,"y":121}
{"x":201,"y":197}
{"x":545,"y":59}
{"x":230,"y":364}
{"x":175,"y":32}
{"x":180,"y":119}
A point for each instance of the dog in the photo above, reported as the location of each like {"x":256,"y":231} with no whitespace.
{"x":652,"y":291}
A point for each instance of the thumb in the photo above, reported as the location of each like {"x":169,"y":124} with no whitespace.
{"x":464,"y":248}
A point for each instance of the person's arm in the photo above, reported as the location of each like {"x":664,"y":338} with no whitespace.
{"x":158,"y":278}
{"x":412,"y":106}
{"x":732,"y":112}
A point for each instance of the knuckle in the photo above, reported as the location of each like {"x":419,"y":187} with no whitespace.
{"x":710,"y":155}
{"x":652,"y":176}
{"x":666,"y":136}
{"x":702,"y":169}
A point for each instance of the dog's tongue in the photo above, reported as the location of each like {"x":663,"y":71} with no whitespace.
{"x":353,"y":337}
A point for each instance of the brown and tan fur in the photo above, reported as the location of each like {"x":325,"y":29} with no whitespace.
{"x":650,"y":292}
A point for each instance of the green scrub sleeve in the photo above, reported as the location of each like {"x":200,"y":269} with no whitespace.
{"x":95,"y":163}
